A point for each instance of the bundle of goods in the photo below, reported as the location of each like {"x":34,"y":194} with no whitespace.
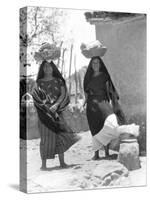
{"x":47,"y":52}
{"x":93,"y":49}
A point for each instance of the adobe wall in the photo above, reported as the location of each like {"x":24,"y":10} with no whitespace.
{"x":126,"y":60}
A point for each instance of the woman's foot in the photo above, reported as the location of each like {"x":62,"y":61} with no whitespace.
{"x":61,"y":161}
{"x":43,"y":168}
{"x":64,"y":165}
{"x":96,"y":156}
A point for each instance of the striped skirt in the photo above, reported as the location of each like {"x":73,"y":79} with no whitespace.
{"x":52,"y":143}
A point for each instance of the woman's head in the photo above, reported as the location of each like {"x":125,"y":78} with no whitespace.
{"x":44,"y":68}
{"x":96,"y":65}
{"x":48,"y":68}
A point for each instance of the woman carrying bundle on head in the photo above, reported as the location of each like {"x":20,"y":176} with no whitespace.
{"x":50,"y":99}
{"x":104,"y":121}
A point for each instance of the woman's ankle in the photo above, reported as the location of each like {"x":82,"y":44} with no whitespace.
{"x":63,"y":165}
{"x":96,"y":155}
{"x":106,"y":150}
{"x":43,"y":164}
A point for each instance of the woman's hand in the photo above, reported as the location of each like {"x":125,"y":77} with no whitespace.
{"x":85,"y":100}
{"x":53,"y":108}
{"x":82,"y":107}
{"x":84,"y":103}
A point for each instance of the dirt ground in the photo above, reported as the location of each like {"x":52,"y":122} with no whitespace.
{"x":82,"y":173}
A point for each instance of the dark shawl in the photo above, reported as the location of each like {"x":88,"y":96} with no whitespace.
{"x":48,"y":118}
{"x":112,"y":93}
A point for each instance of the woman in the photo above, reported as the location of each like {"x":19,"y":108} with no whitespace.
{"x":102,"y":119}
{"x":51,"y":98}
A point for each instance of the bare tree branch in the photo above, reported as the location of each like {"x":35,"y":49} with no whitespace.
{"x":35,"y":24}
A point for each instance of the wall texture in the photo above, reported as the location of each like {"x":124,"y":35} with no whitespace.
{"x":126,"y":59}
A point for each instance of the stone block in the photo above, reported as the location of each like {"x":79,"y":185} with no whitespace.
{"x":129,"y":154}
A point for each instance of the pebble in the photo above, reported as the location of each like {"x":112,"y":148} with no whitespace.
{"x":114,"y":176}
{"x":106,"y":181}
{"x":83,"y":185}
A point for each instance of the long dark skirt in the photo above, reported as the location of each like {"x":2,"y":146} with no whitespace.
{"x":52,"y":143}
{"x":97,"y":111}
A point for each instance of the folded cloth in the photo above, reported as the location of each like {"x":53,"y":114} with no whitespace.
{"x":111,"y":130}
{"x":131,"y":129}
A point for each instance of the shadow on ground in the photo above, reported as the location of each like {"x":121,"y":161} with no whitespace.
{"x":14,"y":186}
{"x":59,"y":168}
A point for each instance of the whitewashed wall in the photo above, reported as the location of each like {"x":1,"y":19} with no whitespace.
{"x":126,"y":59}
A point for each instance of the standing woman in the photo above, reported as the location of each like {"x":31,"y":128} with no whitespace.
{"x":50,"y":99}
{"x":99,"y":90}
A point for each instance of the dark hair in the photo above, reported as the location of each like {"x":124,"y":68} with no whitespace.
{"x":56,"y":72}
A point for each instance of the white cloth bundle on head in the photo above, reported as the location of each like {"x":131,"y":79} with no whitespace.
{"x":95,"y":48}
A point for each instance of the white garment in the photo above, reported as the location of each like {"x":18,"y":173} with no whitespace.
{"x":111,"y":130}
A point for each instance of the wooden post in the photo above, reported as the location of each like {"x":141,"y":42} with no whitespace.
{"x":62,"y":64}
{"x":80,"y":86}
{"x":76,"y":80}
{"x":64,"y":72}
{"x":59,"y":57}
{"x":70,"y":69}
